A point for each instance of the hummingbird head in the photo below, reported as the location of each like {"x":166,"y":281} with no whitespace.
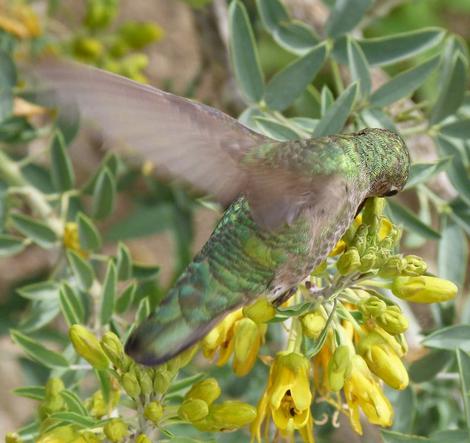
{"x":386,"y":159}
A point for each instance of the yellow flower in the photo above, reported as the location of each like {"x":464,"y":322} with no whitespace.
{"x":313,"y":324}
{"x":362,"y":391}
{"x":423,"y":289}
{"x":239,"y":335}
{"x":287,"y":398}
{"x":383,"y":361}
{"x":116,"y":430}
{"x":339,"y":367}
{"x":207,"y":390}
{"x":261,"y":311}
{"x":71,"y":239}
{"x":21,"y":21}
{"x":62,"y":434}
{"x":87,"y":346}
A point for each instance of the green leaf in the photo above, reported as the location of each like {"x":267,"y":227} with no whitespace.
{"x":144,"y":272}
{"x":422,"y":172}
{"x":45,"y":290}
{"x":111,"y":162}
{"x":36,"y":230}
{"x":452,"y":337}
{"x":397,"y":437}
{"x":459,"y":129}
{"x":185,"y":382}
{"x":38,"y":352}
{"x":376,"y":118}
{"x":108,"y":294}
{"x":337,"y":114}
{"x":453,"y":252}
{"x":327,"y":99}
{"x":104,"y":194}
{"x":32,"y":392}
{"x":289,"y":83}
{"x":295,"y":37}
{"x":452,"y":90}
{"x":7,"y":82}
{"x":427,"y":367}
{"x":463,"y":361}
{"x":453,"y":436}
{"x":81,"y":269}
{"x":461,"y":214}
{"x":70,"y":305}
{"x":345,"y":15}
{"x":89,"y":236}
{"x":404,"y":84}
{"x":10,"y":245}
{"x":143,"y":310}
{"x":73,"y":418}
{"x":457,"y":172}
{"x":40,"y":314}
{"x":126,"y":298}
{"x":124,"y":262}
{"x":244,"y":54}
{"x":404,"y":216}
{"x":276,"y":130}
{"x":394,"y":48}
{"x":16,"y":130}
{"x":360,"y":71}
{"x":272,"y":13}
{"x":74,"y":403}
{"x":61,"y":165}
{"x":404,"y":405}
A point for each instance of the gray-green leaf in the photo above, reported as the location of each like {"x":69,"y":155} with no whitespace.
{"x":452,"y":337}
{"x":108,"y":294}
{"x":10,"y":245}
{"x":104,"y":194}
{"x":82,"y":270}
{"x":458,"y":129}
{"x":36,"y":230}
{"x":360,"y":71}
{"x":88,"y":234}
{"x":345,"y":15}
{"x":61,"y":165}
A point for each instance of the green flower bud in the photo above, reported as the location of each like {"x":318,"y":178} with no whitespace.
{"x":161,"y":380}
{"x":372,"y":307}
{"x":119,"y":47}
{"x":12,"y":437}
{"x":52,"y":403}
{"x":368,"y":259}
{"x":424,"y":289}
{"x":313,"y":324}
{"x":100,"y":13}
{"x":260,"y":311}
{"x":193,"y":410}
{"x":116,"y":430}
{"x":414,"y":266}
{"x":89,"y":437}
{"x":87,"y":48}
{"x":393,"y":321}
{"x":140,"y":34}
{"x":232,"y":414}
{"x":87,"y":346}
{"x":153,"y":412}
{"x":349,"y":262}
{"x":360,"y":239}
{"x":392,"y":267}
{"x":130,"y":384}
{"x":60,"y":434}
{"x":113,"y":348}
{"x":339,"y":367}
{"x":96,"y":405}
{"x":144,"y":378}
{"x":207,"y":390}
{"x":142,"y":438}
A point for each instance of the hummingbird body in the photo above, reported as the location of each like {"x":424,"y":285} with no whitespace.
{"x":289,"y":202}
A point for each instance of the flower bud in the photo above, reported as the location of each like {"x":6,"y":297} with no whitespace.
{"x":339,"y":367}
{"x":414,"y":266}
{"x":54,"y":386}
{"x":373,"y":306}
{"x":130,"y":384}
{"x":114,"y":350}
{"x":313,"y":324}
{"x":368,"y":259}
{"x":393,"y":321}
{"x":423,"y":289}
{"x":140,"y":34}
{"x":193,"y":410}
{"x":88,"y":437}
{"x":181,"y":360}
{"x":87,"y":346}
{"x":116,"y":430}
{"x":261,"y":311}
{"x":360,"y":238}
{"x":153,"y":411}
{"x":60,"y":434}
{"x":12,"y":437}
{"x":207,"y":390}
{"x":349,"y":262}
{"x":232,"y":414}
{"x":383,"y":361}
{"x":87,"y":48}
{"x":247,"y":341}
{"x":392,"y":267}
{"x":144,"y":379}
{"x":142,"y":438}
{"x":161,"y":380}
{"x":338,"y":249}
{"x":96,"y":405}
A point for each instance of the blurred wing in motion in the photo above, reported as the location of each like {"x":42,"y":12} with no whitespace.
{"x":187,"y":140}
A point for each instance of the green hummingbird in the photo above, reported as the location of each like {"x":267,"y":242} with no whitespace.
{"x":288,"y":202}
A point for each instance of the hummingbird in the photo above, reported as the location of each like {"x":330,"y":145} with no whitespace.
{"x":289,"y":202}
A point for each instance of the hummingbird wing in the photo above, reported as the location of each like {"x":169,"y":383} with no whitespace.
{"x":184,"y":139}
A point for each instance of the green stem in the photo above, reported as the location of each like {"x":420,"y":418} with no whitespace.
{"x":337,"y":77}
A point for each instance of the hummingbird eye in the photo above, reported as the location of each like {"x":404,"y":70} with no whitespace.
{"x":390,"y":193}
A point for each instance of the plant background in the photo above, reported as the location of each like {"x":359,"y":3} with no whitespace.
{"x":161,"y":224}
